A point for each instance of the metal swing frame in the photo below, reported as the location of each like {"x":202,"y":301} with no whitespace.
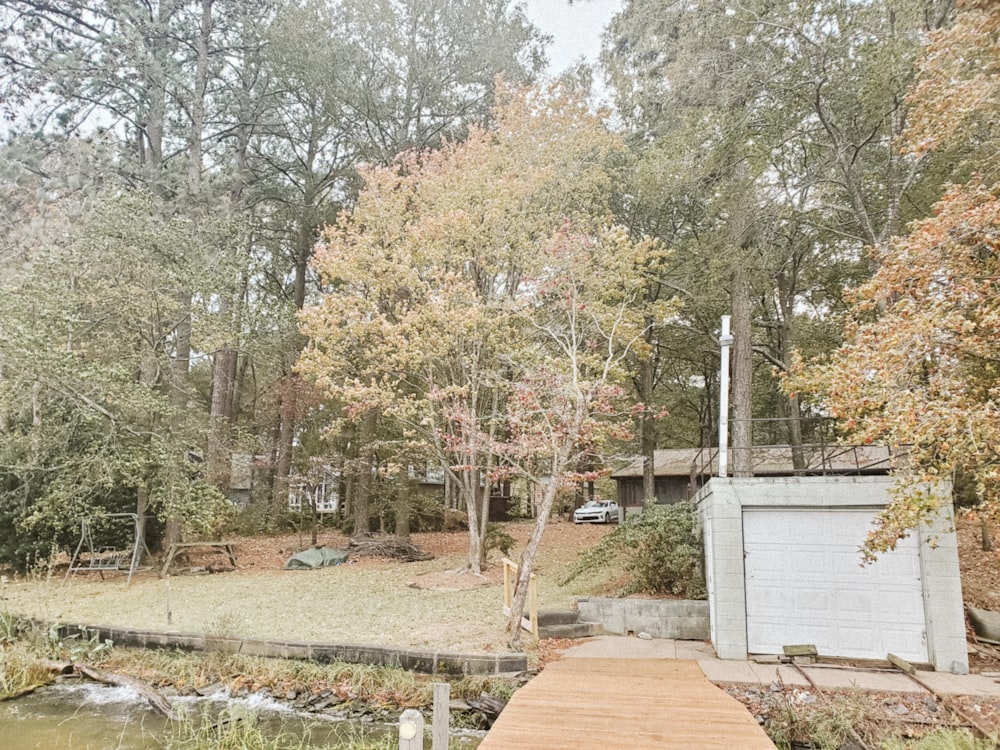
{"x":106,"y":558}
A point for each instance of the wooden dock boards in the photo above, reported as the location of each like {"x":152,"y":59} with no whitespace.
{"x":603,"y":704}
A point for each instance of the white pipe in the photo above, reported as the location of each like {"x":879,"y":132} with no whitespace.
{"x":725,"y":342}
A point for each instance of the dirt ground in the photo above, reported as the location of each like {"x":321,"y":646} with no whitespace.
{"x":560,"y":544}
{"x":980,"y":586}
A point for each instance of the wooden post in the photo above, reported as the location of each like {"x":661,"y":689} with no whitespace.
{"x":508,"y":590}
{"x":440,"y":722}
{"x":411,"y":730}
{"x":533,"y":605}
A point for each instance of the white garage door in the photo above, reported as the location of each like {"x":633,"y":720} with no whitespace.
{"x":805,"y":585}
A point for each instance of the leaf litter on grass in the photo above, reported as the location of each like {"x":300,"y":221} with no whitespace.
{"x":366,"y":601}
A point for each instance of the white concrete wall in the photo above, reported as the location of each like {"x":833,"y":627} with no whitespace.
{"x":720,"y":505}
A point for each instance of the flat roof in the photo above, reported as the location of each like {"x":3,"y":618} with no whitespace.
{"x":771,"y":460}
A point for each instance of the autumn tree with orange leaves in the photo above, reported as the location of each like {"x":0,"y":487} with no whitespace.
{"x":479,"y":303}
{"x":921,"y":362}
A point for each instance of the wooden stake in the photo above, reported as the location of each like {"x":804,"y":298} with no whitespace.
{"x":440,"y":722}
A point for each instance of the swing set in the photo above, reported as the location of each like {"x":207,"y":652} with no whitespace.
{"x":88,"y":557}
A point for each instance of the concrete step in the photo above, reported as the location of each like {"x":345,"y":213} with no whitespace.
{"x":574,"y":630}
{"x":558,"y":616}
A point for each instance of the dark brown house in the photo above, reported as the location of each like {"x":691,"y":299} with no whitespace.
{"x":680,"y":471}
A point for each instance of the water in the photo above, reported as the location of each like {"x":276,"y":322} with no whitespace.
{"x":85,"y":716}
{"x":79,"y":717}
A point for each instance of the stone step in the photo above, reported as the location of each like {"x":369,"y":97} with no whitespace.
{"x":558,"y":616}
{"x":574,"y":630}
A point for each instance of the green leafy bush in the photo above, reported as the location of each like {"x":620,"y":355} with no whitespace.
{"x":661,"y":549}
{"x":498,"y":538}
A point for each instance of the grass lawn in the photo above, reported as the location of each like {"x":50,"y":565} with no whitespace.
{"x":421,"y":605}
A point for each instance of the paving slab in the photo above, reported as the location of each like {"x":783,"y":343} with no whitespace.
{"x":826,"y":677}
{"x":966,"y":684}
{"x":694,"y":650}
{"x":838,"y":678}
{"x":724,"y":671}
{"x":624,"y":647}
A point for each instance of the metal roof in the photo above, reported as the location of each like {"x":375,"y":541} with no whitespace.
{"x":771,"y":460}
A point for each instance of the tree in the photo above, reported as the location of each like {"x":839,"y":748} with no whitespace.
{"x":89,"y":423}
{"x":424,"y":277}
{"x":361,"y":82}
{"x":765,"y":132}
{"x":258,"y":112}
{"x":156,"y":83}
{"x":584,"y":313}
{"x":918,"y":366}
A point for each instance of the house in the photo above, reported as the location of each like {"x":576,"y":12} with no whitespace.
{"x":679,"y":472}
{"x":320,"y":489}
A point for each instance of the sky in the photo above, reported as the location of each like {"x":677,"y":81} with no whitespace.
{"x":575,"y":29}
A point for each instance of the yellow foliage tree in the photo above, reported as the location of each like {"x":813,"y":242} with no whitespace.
{"x":439,"y":297}
{"x":921,"y":362}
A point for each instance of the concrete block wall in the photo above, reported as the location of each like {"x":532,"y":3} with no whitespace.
{"x":720,"y":506}
{"x":722,"y":522}
{"x":943,"y":605}
{"x":427,"y":662}
{"x":680,"y":619}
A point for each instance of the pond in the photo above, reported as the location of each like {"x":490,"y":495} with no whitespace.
{"x":86,"y":716}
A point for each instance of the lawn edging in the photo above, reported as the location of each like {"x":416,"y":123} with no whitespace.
{"x":425,"y":662}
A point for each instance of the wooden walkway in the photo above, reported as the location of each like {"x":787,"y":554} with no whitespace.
{"x":604,"y":704}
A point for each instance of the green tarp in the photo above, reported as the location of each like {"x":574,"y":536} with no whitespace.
{"x":315,"y":557}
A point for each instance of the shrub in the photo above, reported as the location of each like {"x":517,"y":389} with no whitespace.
{"x":661,"y":549}
{"x":823,"y":726}
{"x":498,"y":538}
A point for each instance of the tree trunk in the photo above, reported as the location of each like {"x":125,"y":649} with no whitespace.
{"x":197,"y":104}
{"x":196,"y":109}
{"x":220,"y":420}
{"x":141,"y":509}
{"x":348,"y":474}
{"x":152,"y":124}
{"x":181,"y":365}
{"x":225,"y":362}
{"x":469,"y":486}
{"x":486,"y":495}
{"x":288,"y":411}
{"x":404,"y":486}
{"x":647,"y":427}
{"x":152,"y":696}
{"x":742,"y":428}
{"x":364,"y":467}
{"x":786,"y":343}
{"x":287,"y":406}
{"x":526,"y":566}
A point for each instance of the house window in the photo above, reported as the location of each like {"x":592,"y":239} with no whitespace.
{"x":323,"y":496}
